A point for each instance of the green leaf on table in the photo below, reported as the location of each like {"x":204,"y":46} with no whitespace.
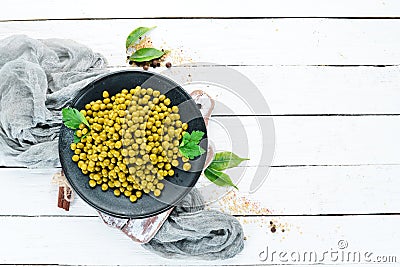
{"x":219,"y":178}
{"x":189,"y":146}
{"x":146,"y":54}
{"x":136,"y":34}
{"x":225,"y":160}
{"x":72,"y":118}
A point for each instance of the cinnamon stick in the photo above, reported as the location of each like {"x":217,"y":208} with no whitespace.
{"x":60,"y":196}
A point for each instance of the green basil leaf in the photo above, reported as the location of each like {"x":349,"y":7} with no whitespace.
{"x":185,"y":139}
{"x":136,"y":34}
{"x":219,"y":178}
{"x":186,"y":151}
{"x":196,"y":136}
{"x":189,"y":147}
{"x":72,"y":118}
{"x":76,"y":138}
{"x":225,"y":160}
{"x":191,"y":150}
{"x":186,"y":135}
{"x":83,"y":119}
{"x":146,"y":54}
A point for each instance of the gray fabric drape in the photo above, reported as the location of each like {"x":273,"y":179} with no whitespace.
{"x":193,"y":232}
{"x":37,"y":79}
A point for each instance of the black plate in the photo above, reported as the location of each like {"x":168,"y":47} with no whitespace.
{"x":176,"y":187}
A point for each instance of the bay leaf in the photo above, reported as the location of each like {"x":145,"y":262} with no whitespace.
{"x":146,"y":54}
{"x":136,"y":34}
{"x":219,"y":178}
{"x":225,"y":160}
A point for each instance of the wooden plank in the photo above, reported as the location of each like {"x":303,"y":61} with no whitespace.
{"x":87,"y":241}
{"x":305,"y":140}
{"x":306,"y":90}
{"x":312,"y":191}
{"x":286,"y":191}
{"x":310,"y":90}
{"x":271,"y":41}
{"x":50,"y":9}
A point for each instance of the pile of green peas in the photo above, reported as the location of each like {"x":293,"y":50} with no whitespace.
{"x":132,"y":143}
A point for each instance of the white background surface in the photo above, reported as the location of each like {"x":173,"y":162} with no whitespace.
{"x":330,"y":74}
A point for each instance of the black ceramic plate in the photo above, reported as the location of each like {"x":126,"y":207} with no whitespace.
{"x":176,"y":187}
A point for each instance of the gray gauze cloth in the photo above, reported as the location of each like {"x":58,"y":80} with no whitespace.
{"x":37,"y":79}
{"x":40,"y":77}
{"x":193,"y":232}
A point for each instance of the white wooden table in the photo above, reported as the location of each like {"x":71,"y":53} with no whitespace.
{"x":331,"y":76}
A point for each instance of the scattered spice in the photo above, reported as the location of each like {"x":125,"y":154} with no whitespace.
{"x":234,"y":204}
{"x":135,"y":35}
{"x":274,"y":226}
{"x":143,"y":43}
{"x":141,"y":52}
